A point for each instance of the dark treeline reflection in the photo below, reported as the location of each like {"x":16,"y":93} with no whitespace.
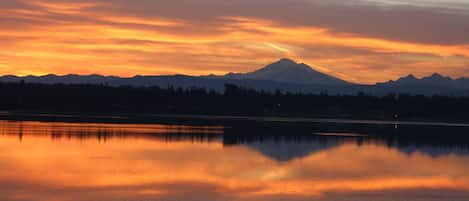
{"x":432,"y":140}
{"x":280,"y":141}
{"x":103,"y":99}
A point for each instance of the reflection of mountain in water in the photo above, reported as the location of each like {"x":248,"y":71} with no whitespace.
{"x":282,"y":142}
{"x":289,"y":150}
{"x":434,"y":151}
{"x":286,"y":148}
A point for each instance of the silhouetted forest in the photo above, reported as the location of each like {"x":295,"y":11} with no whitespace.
{"x":103,"y":99}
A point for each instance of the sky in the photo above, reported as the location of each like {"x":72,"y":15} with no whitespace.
{"x":361,"y":41}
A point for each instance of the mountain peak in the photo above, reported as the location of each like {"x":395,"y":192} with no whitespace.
{"x":436,"y":75}
{"x":434,"y":80}
{"x":410,"y":77}
{"x":288,"y":71}
{"x":286,"y":66}
{"x":286,"y":61}
{"x":437,"y":78}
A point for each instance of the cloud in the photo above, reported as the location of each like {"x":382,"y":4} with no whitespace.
{"x":363,"y":41}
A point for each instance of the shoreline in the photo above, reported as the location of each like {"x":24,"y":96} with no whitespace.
{"x":194,"y":118}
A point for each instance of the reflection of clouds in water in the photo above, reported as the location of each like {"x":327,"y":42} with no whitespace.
{"x":103,"y":130}
{"x":281,"y":148}
{"x":161,"y":168}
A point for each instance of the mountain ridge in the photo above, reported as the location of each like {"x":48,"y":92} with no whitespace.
{"x":433,"y":80}
{"x":287,"y":70}
{"x":284,"y":75}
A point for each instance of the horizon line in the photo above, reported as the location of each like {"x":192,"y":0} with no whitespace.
{"x":205,"y":76}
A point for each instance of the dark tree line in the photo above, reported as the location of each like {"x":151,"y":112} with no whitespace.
{"x":103,"y":99}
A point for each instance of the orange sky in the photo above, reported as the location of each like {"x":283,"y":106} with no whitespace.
{"x":363,"y":41}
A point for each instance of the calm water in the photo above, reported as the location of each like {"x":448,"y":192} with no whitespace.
{"x":131,"y":162}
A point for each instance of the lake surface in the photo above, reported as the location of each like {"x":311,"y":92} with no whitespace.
{"x":57,"y":161}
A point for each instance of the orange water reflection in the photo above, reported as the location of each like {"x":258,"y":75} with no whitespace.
{"x":138,"y":167}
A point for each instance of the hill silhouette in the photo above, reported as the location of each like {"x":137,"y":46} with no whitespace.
{"x":287,"y":71}
{"x":284,"y":75}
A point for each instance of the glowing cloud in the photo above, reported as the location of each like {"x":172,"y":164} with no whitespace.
{"x":124,"y":38}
